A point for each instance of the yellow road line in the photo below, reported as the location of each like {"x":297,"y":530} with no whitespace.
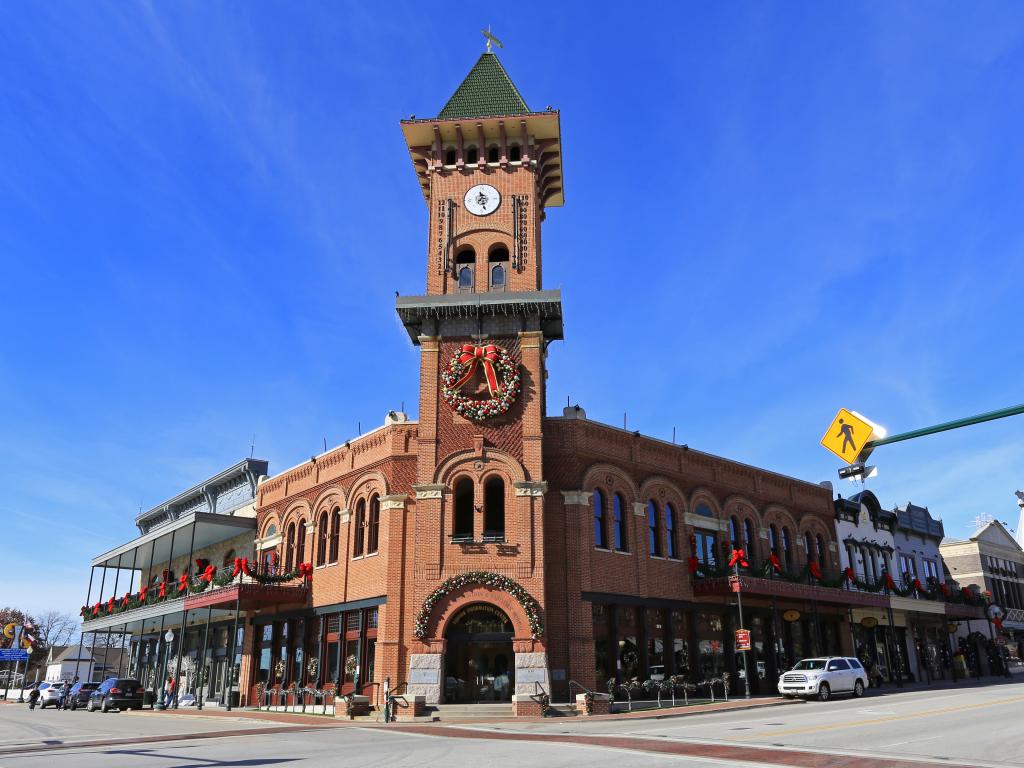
{"x":876,"y":720}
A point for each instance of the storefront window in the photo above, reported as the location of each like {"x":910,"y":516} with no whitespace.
{"x":371,"y":652}
{"x":332,"y":662}
{"x":629,"y":658}
{"x":709,"y":645}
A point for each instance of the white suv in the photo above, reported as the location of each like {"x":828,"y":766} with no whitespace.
{"x":823,"y":677}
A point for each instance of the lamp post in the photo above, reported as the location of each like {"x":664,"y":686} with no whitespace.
{"x":739,"y":607}
{"x":168,"y":639}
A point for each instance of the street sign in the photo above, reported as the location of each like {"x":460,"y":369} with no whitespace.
{"x":742,"y":639}
{"x":847,"y":435}
{"x":13,"y":654}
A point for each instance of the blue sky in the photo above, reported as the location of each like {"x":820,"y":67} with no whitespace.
{"x":772,"y":210}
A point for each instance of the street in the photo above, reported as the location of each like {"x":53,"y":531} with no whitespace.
{"x":976,"y":726}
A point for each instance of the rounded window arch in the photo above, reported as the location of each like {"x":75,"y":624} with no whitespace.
{"x":619,"y":523}
{"x":300,"y":541}
{"x":704,"y":510}
{"x":821,"y":549}
{"x":289,"y":547}
{"x":271,"y":531}
{"x":497,"y":277}
{"x":450,"y":156}
{"x":359,"y":539}
{"x":472,"y":155}
{"x":773,"y":539}
{"x":671,"y":524}
{"x":494,"y":508}
{"x":515,"y":153}
{"x":373,"y":526}
{"x":787,"y":547}
{"x":653,"y":529}
{"x":748,"y":540}
{"x":462,"y":528}
{"x":600,"y":529}
{"x":493,"y":154}
{"x":335,"y":543}
{"x":734,"y":533}
{"x":465,"y":265}
{"x":497,"y":261}
{"x":321,"y":539}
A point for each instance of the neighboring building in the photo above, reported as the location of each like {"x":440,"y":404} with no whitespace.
{"x":168,"y":578}
{"x":992,"y":561}
{"x":71,"y":661}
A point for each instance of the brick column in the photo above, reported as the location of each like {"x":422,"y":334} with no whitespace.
{"x":579,"y":629}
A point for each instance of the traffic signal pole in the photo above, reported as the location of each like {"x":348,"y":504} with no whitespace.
{"x":969,"y":421}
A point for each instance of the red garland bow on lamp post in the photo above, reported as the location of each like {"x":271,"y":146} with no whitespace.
{"x":815,"y":569}
{"x":306,"y":570}
{"x":738,"y":556}
{"x":774,"y":560}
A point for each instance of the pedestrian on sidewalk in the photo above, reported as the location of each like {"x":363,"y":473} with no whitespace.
{"x":33,"y":697}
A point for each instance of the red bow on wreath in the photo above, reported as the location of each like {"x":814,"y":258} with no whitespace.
{"x":848,"y":574}
{"x":96,"y":610}
{"x":889,"y":581}
{"x":110,"y":605}
{"x":306,"y":570}
{"x":739,"y":556}
{"x":163,"y":589}
{"x":183,"y":582}
{"x":967,"y":593}
{"x":208,"y":574}
{"x":918,"y":586}
{"x":998,"y":622}
{"x":142,"y":594}
{"x":487,"y":357}
{"x":241,"y":566}
{"x":815,"y":569}
{"x":124,"y":600}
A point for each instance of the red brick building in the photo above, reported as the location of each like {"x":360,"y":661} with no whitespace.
{"x":489,"y":549}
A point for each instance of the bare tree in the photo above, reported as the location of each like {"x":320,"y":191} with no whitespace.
{"x":55,"y":628}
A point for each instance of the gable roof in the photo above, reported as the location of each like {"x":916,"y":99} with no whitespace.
{"x":994,"y":533}
{"x":69,"y":653}
{"x":487,"y":91}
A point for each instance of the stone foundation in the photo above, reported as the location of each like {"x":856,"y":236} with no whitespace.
{"x":531,"y":669}
{"x":425,"y":677}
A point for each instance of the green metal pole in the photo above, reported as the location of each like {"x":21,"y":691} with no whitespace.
{"x":979,"y":419}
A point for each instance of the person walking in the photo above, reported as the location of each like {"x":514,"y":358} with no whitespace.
{"x":33,"y":697}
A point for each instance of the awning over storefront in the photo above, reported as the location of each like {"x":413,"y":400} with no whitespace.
{"x":779,"y":588}
{"x":189,"y":533}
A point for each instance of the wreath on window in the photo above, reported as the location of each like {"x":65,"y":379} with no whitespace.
{"x":500,"y":371}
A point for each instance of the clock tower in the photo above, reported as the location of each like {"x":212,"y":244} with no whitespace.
{"x":489,"y":168}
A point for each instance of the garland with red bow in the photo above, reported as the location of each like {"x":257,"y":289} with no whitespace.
{"x":494,"y":361}
{"x":740,"y":557}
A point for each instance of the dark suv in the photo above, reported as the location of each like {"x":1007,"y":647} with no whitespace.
{"x":116,"y":693}
{"x":80,"y":693}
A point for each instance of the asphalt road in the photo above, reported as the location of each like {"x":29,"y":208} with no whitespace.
{"x":976,"y":726}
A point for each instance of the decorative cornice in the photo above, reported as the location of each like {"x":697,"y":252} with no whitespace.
{"x":530,"y":487}
{"x":393,"y":501}
{"x":430,"y":491}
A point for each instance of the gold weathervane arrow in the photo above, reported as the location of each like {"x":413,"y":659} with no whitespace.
{"x":490,"y":38}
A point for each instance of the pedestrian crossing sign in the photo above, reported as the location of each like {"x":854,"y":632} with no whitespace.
{"x":848,"y":434}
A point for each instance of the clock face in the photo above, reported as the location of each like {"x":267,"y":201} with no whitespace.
{"x":483,"y":199}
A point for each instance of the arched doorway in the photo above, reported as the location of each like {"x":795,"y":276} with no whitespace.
{"x":479,"y":660}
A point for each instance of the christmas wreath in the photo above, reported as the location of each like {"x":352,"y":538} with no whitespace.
{"x":500,"y":371}
{"x":486,"y":578}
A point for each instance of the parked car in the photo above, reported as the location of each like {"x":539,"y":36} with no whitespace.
{"x":823,"y":677}
{"x":80,"y":693}
{"x":50,"y":694}
{"x":116,"y":693}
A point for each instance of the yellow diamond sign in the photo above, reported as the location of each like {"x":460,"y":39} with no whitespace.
{"x":848,"y":434}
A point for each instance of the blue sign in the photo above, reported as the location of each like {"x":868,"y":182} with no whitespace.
{"x":13,"y":654}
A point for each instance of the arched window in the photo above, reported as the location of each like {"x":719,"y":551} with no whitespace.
{"x":514,"y":153}
{"x":619,"y":523}
{"x":472,"y":156}
{"x":373,"y":527}
{"x":821,"y":550}
{"x":271,"y":530}
{"x":300,"y":542}
{"x":465,"y":262}
{"x":289,"y":550}
{"x":653,"y":529}
{"x":493,"y":153}
{"x":670,"y":531}
{"x":463,"y":528}
{"x":498,"y":278}
{"x":704,"y":510}
{"x":498,"y":260}
{"x":494,"y":508}
{"x":773,"y":539}
{"x":450,"y":156}
{"x":321,"y":539}
{"x":600,"y":534}
{"x":734,"y":533}
{"x":809,"y":546}
{"x":270,"y":562}
{"x":748,"y":540}
{"x":335,"y":535}
{"x":360,"y":531}
{"x":787,"y":547}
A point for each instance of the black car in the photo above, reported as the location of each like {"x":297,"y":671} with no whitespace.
{"x":80,"y":693}
{"x":116,"y":693}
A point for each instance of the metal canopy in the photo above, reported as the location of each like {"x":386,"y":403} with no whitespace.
{"x":150,"y":619}
{"x":415,"y":311}
{"x":141,"y":553}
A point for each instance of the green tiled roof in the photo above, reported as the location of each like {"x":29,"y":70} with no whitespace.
{"x":487,"y":91}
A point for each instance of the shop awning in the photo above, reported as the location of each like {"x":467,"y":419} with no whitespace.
{"x":190,"y":532}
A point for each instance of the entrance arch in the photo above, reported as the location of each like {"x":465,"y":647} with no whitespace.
{"x":479,"y":658}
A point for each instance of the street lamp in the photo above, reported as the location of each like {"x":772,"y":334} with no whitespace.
{"x":737,"y":558}
{"x":168,"y":639}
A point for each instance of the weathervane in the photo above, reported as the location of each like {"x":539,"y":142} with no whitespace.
{"x":490,"y":38}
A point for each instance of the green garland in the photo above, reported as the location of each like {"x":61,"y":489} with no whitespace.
{"x":489,"y":579}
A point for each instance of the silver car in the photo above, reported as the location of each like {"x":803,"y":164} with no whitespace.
{"x":823,"y":677}
{"x":50,"y":694}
